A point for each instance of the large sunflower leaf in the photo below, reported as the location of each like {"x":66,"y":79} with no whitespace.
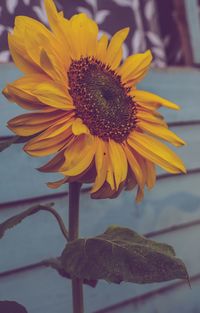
{"x":16,"y":219}
{"x":120,"y":254}
{"x":12,"y":306}
{"x":56,"y":264}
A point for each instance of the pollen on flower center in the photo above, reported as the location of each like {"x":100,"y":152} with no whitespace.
{"x":101,"y":101}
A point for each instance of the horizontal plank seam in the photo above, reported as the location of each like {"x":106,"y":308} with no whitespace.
{"x":5,"y":205}
{"x":170,"y":124}
{"x":148,"y":295}
{"x":159,"y":232}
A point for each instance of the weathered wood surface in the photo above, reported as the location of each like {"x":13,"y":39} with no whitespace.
{"x":173,"y":200}
{"x":178,"y":85}
{"x":42,"y":290}
{"x":193,"y":21}
{"x":21,"y":180}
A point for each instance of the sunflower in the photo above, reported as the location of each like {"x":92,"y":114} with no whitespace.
{"x":85,"y":107}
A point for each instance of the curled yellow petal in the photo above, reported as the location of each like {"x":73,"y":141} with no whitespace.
{"x":156,"y":152}
{"x":148,"y":98}
{"x":114,"y":51}
{"x":150,"y":174}
{"x":101,"y":156}
{"x":29,"y":124}
{"x":134,"y":165}
{"x":151,"y":117}
{"x":102,"y":47}
{"x":79,"y":156}
{"x":161,"y":132}
{"x":119,"y":162}
{"x":135,"y":67}
{"x":53,"y":95}
{"x":78,"y":128}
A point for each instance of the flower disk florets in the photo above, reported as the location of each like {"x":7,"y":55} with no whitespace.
{"x":101,"y":100}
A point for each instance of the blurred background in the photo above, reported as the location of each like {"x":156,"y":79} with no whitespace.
{"x":170,"y":213}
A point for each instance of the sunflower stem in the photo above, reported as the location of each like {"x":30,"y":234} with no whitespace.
{"x":77,"y":285}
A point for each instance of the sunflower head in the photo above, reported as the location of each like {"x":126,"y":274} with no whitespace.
{"x":102,"y":102}
{"x":85,"y":107}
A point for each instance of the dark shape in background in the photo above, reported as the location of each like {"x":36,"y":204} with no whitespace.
{"x":11,"y":307}
{"x":152,"y":24}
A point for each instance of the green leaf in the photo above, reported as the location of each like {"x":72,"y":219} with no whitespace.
{"x":120,"y":254}
{"x":12,"y":306}
{"x":16,"y":219}
{"x":7,"y":142}
{"x":56,"y":264}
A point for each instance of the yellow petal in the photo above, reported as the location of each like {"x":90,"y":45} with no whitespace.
{"x":60,"y":27}
{"x":58,"y":183}
{"x":156,"y":152}
{"x":149,"y":98}
{"x":151,"y":174}
{"x":135,"y":67}
{"x":119,"y":162}
{"x":101,"y":156}
{"x":53,"y":95}
{"x":28,"y":45}
{"x":110,"y":175}
{"x":35,"y":43}
{"x":40,"y":89}
{"x":114,"y":51}
{"x":84,"y":34}
{"x":29,"y":124}
{"x":20,"y":56}
{"x":131,"y":182}
{"x":149,"y":106}
{"x":161,"y":132}
{"x":102,"y":47}
{"x":56,"y":69}
{"x":140,"y":195}
{"x":79,"y":155}
{"x":36,"y":147}
{"x":78,"y":128}
{"x":105,"y":192}
{"x":54,"y":164}
{"x":151,"y":117}
{"x":25,"y":100}
{"x":58,"y":127}
{"x":134,"y":165}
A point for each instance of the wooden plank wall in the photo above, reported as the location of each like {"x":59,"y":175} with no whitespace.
{"x":193,"y":21}
{"x":173,"y":201}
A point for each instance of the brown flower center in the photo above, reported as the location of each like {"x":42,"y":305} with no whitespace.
{"x":101,"y":101}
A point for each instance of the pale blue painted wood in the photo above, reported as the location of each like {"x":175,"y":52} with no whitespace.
{"x":182,"y":300}
{"x":22,"y":180}
{"x":176,"y":84}
{"x":172,"y":201}
{"x":8,"y":109}
{"x":42,"y":290}
{"x":193,"y":19}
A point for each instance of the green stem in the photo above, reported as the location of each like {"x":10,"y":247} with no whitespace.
{"x":77,"y":285}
